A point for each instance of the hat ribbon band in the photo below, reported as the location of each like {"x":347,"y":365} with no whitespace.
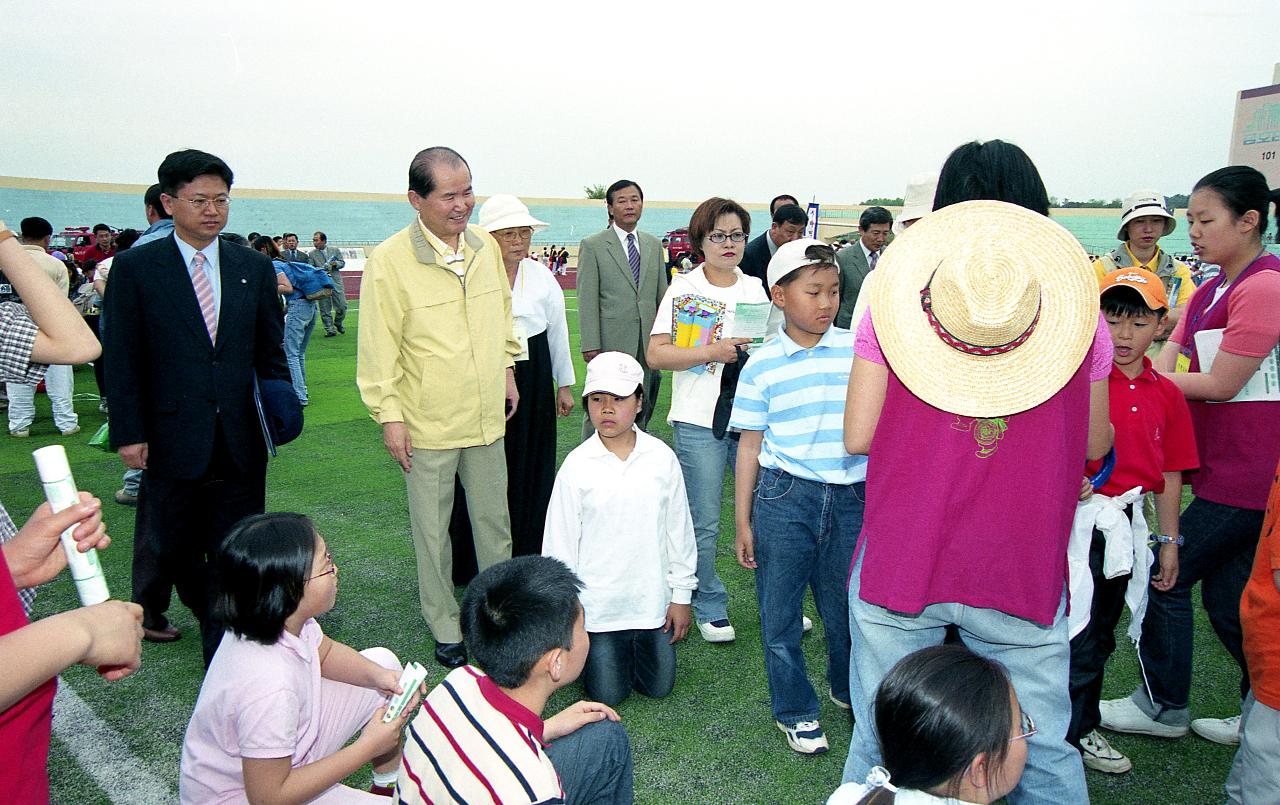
{"x":926,"y":302}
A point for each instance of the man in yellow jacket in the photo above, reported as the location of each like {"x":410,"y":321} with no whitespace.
{"x":435,"y":369}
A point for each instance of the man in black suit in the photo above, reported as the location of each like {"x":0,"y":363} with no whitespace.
{"x":788,"y":224}
{"x":191,"y":320}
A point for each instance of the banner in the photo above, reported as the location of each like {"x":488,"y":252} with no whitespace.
{"x":811,"y":228}
{"x":1255,"y":136}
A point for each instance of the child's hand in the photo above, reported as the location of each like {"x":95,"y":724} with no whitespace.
{"x":1168,"y":574}
{"x":1086,"y":489}
{"x":745,"y":546}
{"x":386,"y":681}
{"x":380,"y":738}
{"x":576,"y":715}
{"x":679,"y":616}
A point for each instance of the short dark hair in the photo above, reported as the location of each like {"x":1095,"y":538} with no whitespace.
{"x":101,"y":228}
{"x":260,"y":571}
{"x":266,"y":242}
{"x":1242,"y":189}
{"x":1124,"y":301}
{"x":234,"y":237}
{"x":620,"y":185}
{"x":937,"y":710}
{"x":289,"y":235}
{"x":252,"y":236}
{"x":35,"y":228}
{"x":872,"y":216}
{"x":183,"y":167}
{"x":704,"y":219}
{"x":824,"y":254}
{"x":422,"y":178}
{"x":773,"y":203}
{"x":322,"y":235}
{"x":126,"y":238}
{"x":993,"y":170}
{"x":516,"y":611}
{"x":790,"y":214}
{"x":151,"y":198}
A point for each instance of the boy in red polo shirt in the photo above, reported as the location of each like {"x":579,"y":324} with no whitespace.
{"x":1256,"y":768}
{"x":1154,"y":445}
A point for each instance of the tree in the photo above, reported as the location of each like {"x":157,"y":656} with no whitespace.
{"x":883,"y":202}
{"x":594,"y":190}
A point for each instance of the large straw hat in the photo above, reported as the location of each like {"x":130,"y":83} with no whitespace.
{"x":984,"y":308}
{"x":505,"y":211}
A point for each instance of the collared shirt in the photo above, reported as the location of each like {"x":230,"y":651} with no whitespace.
{"x":1153,"y":431}
{"x":537,"y":306}
{"x":471,"y":742}
{"x":797,"y":397}
{"x":622,"y":235}
{"x":321,"y":258}
{"x":55,"y":268}
{"x":443,"y":249}
{"x":768,"y":241}
{"x":866,"y":252}
{"x":210,"y":269}
{"x":624,"y":527}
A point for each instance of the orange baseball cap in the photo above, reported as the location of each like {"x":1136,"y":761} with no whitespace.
{"x":1142,"y":281}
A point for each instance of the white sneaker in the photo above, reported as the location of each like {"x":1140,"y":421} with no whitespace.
{"x":1122,"y":715}
{"x":805,"y":623}
{"x":806,"y":737}
{"x":1099,"y":755}
{"x":720,"y":631}
{"x":1225,"y":731}
{"x":71,"y":431}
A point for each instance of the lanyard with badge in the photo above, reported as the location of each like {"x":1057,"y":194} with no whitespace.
{"x":518,"y":331}
{"x":1183,"y":363}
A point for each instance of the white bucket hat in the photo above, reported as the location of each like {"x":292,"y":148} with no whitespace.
{"x":917,"y":202}
{"x":1141,"y":203}
{"x":505,"y":211}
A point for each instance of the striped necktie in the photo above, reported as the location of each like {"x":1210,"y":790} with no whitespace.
{"x":633,"y":257}
{"x":874,"y":257}
{"x":204,"y":296}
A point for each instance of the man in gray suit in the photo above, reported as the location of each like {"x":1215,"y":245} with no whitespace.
{"x":621,"y":281}
{"x":859,"y":259}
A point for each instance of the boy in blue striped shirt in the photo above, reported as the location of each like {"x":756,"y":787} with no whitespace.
{"x":799,"y":498}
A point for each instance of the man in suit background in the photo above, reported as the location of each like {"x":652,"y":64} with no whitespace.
{"x":621,"y":280}
{"x":191,"y":321}
{"x":290,"y":252}
{"x":859,"y":260}
{"x":788,"y":224}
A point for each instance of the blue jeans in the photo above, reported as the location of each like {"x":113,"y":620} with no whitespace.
{"x":703,"y":460}
{"x":299,"y":321}
{"x":640,"y":659}
{"x":594,"y":764}
{"x":1036,"y":657}
{"x":132,"y":481}
{"x":1219,"y":552}
{"x":804,"y":536}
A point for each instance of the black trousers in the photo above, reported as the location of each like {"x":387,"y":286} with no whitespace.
{"x":152,"y":589}
{"x":1091,"y":649}
{"x":186,"y":521}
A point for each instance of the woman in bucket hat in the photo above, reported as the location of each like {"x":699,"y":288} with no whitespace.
{"x":978,"y":391}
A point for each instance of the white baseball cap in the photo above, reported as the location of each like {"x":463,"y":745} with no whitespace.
{"x":615,"y":373}
{"x":795,"y":254}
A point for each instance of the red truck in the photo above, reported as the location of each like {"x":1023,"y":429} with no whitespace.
{"x":678,"y":246}
{"x":74,"y":240}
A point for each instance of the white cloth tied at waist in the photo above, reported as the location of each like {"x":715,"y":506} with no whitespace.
{"x":1127,"y":551}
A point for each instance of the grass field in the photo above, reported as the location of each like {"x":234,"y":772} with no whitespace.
{"x":712,"y":740}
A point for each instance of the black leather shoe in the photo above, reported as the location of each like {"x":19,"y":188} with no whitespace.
{"x":451,"y":655}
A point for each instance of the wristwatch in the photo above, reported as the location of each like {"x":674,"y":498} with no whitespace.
{"x":1165,"y":539}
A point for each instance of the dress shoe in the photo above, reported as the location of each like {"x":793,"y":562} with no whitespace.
{"x":168,"y":634}
{"x":331,"y":334}
{"x":126,"y":498}
{"x":341,"y":329}
{"x":451,"y":655}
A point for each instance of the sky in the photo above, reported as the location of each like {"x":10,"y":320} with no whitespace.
{"x":835,"y":101}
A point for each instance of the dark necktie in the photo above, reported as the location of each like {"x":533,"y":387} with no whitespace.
{"x":633,"y":257}
{"x":874,"y":257}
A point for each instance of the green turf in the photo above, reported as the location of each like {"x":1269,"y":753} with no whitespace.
{"x":712,"y":740}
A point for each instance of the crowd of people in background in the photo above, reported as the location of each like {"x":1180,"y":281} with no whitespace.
{"x":965,"y":438}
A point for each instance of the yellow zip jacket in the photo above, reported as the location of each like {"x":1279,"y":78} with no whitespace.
{"x":435,"y":344}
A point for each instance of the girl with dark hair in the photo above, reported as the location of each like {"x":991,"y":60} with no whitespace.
{"x":1238,"y":435}
{"x":280,"y":698}
{"x":950,"y":730}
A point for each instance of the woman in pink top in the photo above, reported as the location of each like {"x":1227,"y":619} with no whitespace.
{"x":1239,"y":445}
{"x":977,"y":417}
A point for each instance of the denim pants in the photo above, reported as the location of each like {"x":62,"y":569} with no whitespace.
{"x":594,"y":764}
{"x":627,"y":659}
{"x":1036,"y":657}
{"x":1221,"y":542}
{"x":703,"y":460}
{"x":299,"y":321}
{"x":804,"y":536}
{"x":59,"y":384}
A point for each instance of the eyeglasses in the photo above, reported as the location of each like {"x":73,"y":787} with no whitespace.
{"x":514,"y":235}
{"x":332,"y":569}
{"x":220,"y":203}
{"x":720,"y":237}
{"x":1028,"y":728}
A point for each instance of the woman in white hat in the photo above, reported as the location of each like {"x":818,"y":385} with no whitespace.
{"x":978,"y":391}
{"x":544,"y":377}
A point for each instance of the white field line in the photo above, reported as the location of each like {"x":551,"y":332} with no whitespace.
{"x":103,"y":754}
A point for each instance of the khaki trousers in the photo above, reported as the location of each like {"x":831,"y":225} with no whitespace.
{"x":483,"y":470}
